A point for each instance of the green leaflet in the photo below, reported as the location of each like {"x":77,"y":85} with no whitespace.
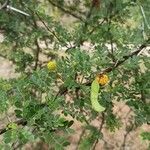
{"x":94,"y":97}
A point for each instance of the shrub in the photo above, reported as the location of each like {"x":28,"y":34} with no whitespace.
{"x":117,"y":33}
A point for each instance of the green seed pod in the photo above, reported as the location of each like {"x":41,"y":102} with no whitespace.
{"x":94,"y":97}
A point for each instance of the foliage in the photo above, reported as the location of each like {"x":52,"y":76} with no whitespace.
{"x":39,"y":97}
{"x":145,"y":135}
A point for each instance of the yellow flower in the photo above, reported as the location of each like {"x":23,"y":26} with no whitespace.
{"x":51,"y":65}
{"x":102,"y":79}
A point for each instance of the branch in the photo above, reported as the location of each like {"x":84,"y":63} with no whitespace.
{"x":100,"y":129}
{"x":4,"y":5}
{"x":37,"y":54}
{"x":47,"y":27}
{"x":66,"y":11}
{"x":121,"y":61}
{"x":111,"y":52}
{"x":124,"y":58}
{"x":111,"y":68}
{"x":123,"y":145}
{"x":85,"y":26}
{"x":97,"y":26}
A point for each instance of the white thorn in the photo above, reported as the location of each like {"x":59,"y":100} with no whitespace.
{"x":17,"y":10}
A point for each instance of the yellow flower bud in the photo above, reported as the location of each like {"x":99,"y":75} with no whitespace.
{"x":102,"y":79}
{"x":51,"y":65}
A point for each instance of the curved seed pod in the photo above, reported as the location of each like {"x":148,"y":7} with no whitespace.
{"x":94,"y":97}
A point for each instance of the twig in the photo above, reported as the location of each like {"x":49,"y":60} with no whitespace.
{"x":124,"y":58}
{"x":100,"y":129}
{"x":82,"y":134}
{"x":4,"y":5}
{"x":36,"y":43}
{"x":85,"y":26}
{"x":45,"y":25}
{"x":80,"y":138}
{"x":37,"y":54}
{"x":51,"y":31}
{"x":123,"y":146}
{"x":61,"y":91}
{"x":111,"y":53}
{"x":66,"y":11}
{"x":98,"y":25}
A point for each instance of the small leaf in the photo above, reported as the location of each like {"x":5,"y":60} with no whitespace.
{"x":145,"y":136}
{"x":12,"y":126}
